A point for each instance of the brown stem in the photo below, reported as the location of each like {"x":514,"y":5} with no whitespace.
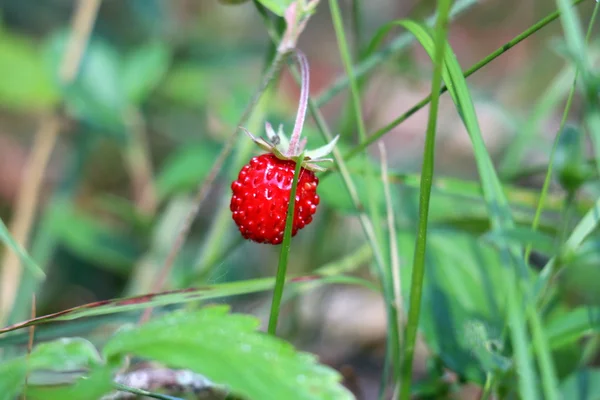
{"x":44,"y":142}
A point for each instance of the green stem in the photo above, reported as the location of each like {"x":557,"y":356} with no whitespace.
{"x":284,"y":253}
{"x":202,"y":193}
{"x":488,"y":387}
{"x":366,"y":224}
{"x":400,"y":43}
{"x":418,"y":270}
{"x":218,"y":237}
{"x":385,"y":278}
{"x":545,"y":362}
{"x":492,"y":56}
{"x":563,"y":121}
{"x":347,"y":61}
{"x":357,"y":26}
{"x":568,"y":209}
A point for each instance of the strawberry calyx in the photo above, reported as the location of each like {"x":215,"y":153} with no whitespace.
{"x":293,"y":148}
{"x":279,"y":145}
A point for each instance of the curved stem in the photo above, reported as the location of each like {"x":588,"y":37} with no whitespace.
{"x":294,"y":148}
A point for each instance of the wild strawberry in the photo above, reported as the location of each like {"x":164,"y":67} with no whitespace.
{"x":261,"y":196}
{"x":261,"y":193}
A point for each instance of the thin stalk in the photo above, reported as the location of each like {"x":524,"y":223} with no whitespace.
{"x":563,"y":121}
{"x":347,"y":60}
{"x":492,"y":56}
{"x":356,"y":115}
{"x":218,"y":233}
{"x":488,"y":387}
{"x":137,"y":156}
{"x":26,"y":206}
{"x":304,"y":90}
{"x":418,"y":270}
{"x":46,"y":137}
{"x":399,"y":43}
{"x":394,"y":263}
{"x":385,"y":277}
{"x":202,"y":193}
{"x":284,"y":253}
{"x":545,"y":362}
{"x":357,"y":26}
{"x":567,"y":213}
{"x":365,"y":222}
{"x":393,"y":272}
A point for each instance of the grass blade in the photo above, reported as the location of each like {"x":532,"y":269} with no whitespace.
{"x":476,"y":67}
{"x":500,"y":214}
{"x":373,"y":59}
{"x":11,"y":243}
{"x":418,"y":271}
{"x":548,"y":177}
{"x":393,"y":351}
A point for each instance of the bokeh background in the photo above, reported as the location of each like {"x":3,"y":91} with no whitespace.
{"x":163,"y":84}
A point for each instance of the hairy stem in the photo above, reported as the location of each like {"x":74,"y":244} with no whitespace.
{"x":295,"y":143}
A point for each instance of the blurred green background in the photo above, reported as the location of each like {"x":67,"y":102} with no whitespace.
{"x":164,"y":83}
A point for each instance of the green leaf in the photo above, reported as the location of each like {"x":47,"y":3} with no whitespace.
{"x":144,"y":69}
{"x":188,"y":84}
{"x":584,"y":228}
{"x":333,"y":193}
{"x":185,"y":169}
{"x":570,"y":327}
{"x":57,"y":365}
{"x":278,"y":7}
{"x":98,"y":382}
{"x":501,"y":219}
{"x":523,"y":236}
{"x":227,"y":349}
{"x":10,"y":242}
{"x":582,"y":385}
{"x":64,"y":355}
{"x":463,"y":323}
{"x":90,"y":387}
{"x":97,"y":94}
{"x":25,"y":84}
{"x":578,"y":52}
{"x":579,"y":281}
{"x":572,"y":250}
{"x":12,"y":378}
{"x":93,"y":239}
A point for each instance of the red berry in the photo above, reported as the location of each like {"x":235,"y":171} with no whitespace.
{"x":261,"y":196}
